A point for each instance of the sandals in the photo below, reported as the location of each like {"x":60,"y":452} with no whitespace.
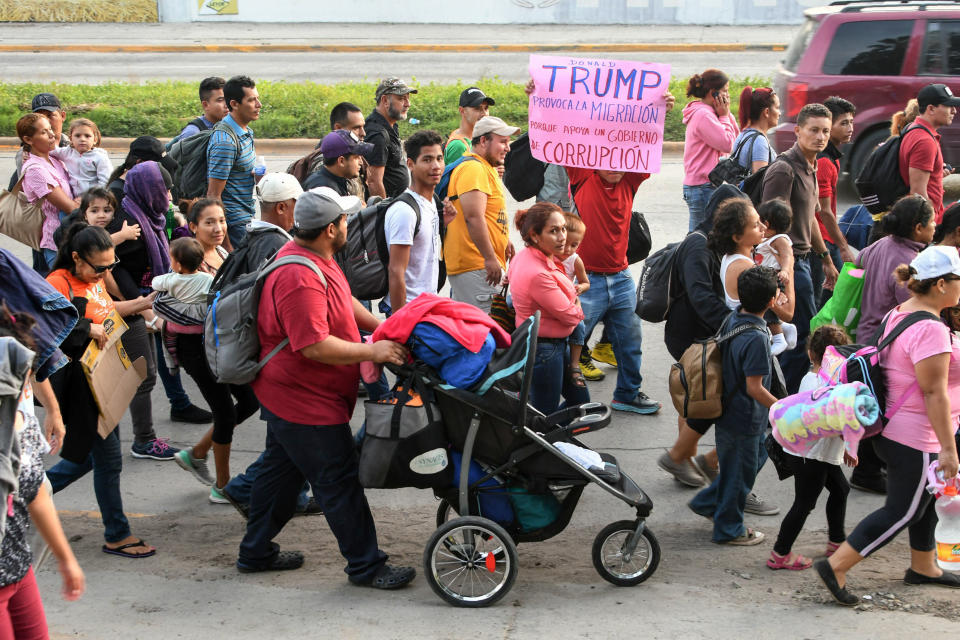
{"x":831,"y":548}
{"x":388,"y":577}
{"x":122,"y":550}
{"x":747,"y":539}
{"x":283,"y":561}
{"x":577,"y":378}
{"x":790,"y":561}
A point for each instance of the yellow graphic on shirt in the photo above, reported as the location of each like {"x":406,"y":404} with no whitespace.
{"x":459,"y":251}
{"x":218,"y":7}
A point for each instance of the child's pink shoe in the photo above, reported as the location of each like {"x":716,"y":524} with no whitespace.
{"x":791,"y":562}
{"x":831,"y":548}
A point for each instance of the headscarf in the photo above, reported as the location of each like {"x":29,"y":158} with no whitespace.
{"x":146,"y":201}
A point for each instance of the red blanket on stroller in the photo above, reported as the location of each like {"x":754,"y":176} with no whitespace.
{"x":465,"y":323}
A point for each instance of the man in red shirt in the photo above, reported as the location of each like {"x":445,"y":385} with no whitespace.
{"x":604,"y":200}
{"x":308,"y":392}
{"x":921,"y":160}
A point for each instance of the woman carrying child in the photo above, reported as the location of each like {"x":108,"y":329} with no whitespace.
{"x":539,"y":283}
{"x":819,"y":468}
{"x":195,"y":262}
{"x":85,"y":255}
{"x":922,"y":371}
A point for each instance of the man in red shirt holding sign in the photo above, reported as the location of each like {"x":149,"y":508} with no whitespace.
{"x":921,"y":160}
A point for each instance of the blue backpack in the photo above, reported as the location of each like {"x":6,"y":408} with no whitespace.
{"x":444,"y":184}
{"x":457,"y":365}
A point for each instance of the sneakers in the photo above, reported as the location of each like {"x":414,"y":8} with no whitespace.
{"x":603,"y":352}
{"x":641,"y":403}
{"x":196,"y":466}
{"x":588,"y":369}
{"x":242,"y":507}
{"x":683,"y":472}
{"x":156,"y":449}
{"x":217,"y":497}
{"x":708,"y":472}
{"x":192,"y":415}
{"x":748,"y":538}
{"x":760,"y":507}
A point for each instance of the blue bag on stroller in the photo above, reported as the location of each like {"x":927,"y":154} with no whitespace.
{"x":457,"y":365}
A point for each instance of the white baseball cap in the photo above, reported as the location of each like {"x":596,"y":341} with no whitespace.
{"x":936,"y":262}
{"x":277,"y":187}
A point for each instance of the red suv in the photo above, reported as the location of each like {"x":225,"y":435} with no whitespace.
{"x":877,"y":55}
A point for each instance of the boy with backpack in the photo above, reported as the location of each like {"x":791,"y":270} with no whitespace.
{"x":740,"y":431}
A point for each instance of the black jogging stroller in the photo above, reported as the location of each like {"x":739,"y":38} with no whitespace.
{"x":507,"y":450}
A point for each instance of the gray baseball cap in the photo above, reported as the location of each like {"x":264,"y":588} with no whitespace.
{"x":319,"y":207}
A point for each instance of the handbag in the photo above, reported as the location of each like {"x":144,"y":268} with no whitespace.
{"x":639,"y":241}
{"x":729,"y":169}
{"x":501,"y":312}
{"x":782,"y":461}
{"x":405,"y":444}
{"x":20,"y":219}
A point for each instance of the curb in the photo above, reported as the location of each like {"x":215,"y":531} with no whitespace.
{"x":265,"y":146}
{"x":402,"y":48}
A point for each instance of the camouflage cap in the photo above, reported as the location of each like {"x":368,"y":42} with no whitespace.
{"x":394,"y":86}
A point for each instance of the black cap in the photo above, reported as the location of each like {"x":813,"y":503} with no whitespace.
{"x":149,"y":148}
{"x":473,"y":97}
{"x":936,"y":94}
{"x":45,"y":102}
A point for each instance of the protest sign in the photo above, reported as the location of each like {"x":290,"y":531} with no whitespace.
{"x":598,"y":114}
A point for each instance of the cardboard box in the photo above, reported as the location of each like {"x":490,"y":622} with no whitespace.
{"x":112,"y":377}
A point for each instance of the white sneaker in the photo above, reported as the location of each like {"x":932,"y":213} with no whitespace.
{"x":778,"y":344}
{"x":790,"y":333}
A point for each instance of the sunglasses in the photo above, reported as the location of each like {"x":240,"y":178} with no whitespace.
{"x":98,"y":269}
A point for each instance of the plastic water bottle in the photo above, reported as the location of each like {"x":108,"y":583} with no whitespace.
{"x":413,"y":121}
{"x":947,"y":532}
{"x":260,"y":167}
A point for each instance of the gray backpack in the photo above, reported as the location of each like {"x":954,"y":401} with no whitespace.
{"x":190,"y":177}
{"x":230,"y":338}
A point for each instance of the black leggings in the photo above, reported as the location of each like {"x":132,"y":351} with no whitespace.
{"x":226,"y":416}
{"x":810,"y":477}
{"x":908,"y":504}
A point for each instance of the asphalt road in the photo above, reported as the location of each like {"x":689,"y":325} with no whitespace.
{"x":191,"y":590}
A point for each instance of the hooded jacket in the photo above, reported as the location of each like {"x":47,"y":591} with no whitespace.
{"x":707,"y":138}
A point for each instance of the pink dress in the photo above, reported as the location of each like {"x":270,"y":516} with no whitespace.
{"x":39,"y":179}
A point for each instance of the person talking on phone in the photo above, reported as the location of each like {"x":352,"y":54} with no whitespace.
{"x":711,"y":130}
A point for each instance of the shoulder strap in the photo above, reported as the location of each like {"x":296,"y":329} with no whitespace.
{"x":751,"y":138}
{"x":198,"y":123}
{"x":285,"y":260}
{"x":723,"y":337}
{"x":453,"y":167}
{"x":410,"y":200}
{"x":69,"y":288}
{"x":905,"y":324}
{"x":223,"y":126}
{"x":915,"y":126}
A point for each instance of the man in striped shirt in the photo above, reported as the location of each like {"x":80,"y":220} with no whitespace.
{"x":231,"y":156}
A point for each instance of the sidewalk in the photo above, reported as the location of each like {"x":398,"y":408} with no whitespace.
{"x":337,"y":37}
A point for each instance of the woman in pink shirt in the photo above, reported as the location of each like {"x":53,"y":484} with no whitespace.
{"x":538,"y":282}
{"x":922,"y":372}
{"x":711,"y":130}
{"x":43,"y":176}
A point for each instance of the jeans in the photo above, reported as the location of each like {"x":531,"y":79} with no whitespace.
{"x":138,"y":343}
{"x":551,"y":379}
{"x":612,"y":297}
{"x":49,"y":257}
{"x":816,"y":272}
{"x":696,"y":196}
{"x":741,"y":457}
{"x":795,"y":362}
{"x":240,"y":485}
{"x":172,"y":386}
{"x":237,"y":232}
{"x":106,"y":461}
{"x":326,"y":457}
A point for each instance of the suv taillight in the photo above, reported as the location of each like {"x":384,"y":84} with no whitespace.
{"x":796,"y":98}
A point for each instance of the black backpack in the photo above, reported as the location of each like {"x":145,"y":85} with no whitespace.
{"x":880,"y":184}
{"x":522,"y":173}
{"x":752,"y":186}
{"x":190,"y":178}
{"x":656,"y":290}
{"x":365,"y":259}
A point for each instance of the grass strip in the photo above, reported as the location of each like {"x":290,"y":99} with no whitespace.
{"x":290,"y":110}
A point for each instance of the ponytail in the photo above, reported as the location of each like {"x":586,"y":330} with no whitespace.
{"x":700,"y":84}
{"x":753,"y":102}
{"x":83,"y":238}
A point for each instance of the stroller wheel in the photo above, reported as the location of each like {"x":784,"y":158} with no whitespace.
{"x":611,"y":562}
{"x":470,"y":562}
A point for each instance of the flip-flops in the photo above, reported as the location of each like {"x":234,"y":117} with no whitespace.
{"x":790,"y":561}
{"x":122,"y":550}
{"x":831,"y":548}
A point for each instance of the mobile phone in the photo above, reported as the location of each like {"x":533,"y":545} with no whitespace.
{"x":716,"y":95}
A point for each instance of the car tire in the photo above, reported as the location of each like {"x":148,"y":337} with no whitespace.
{"x":864,"y":147}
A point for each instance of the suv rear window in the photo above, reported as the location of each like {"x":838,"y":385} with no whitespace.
{"x":941,"y":49}
{"x":800,"y":43}
{"x":871,"y":48}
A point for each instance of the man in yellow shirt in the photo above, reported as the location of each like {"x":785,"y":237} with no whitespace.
{"x":477,"y":244}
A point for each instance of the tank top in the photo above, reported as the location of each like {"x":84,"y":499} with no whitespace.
{"x":767,"y":256}
{"x":730,"y":258}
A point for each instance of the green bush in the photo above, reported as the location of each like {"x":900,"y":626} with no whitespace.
{"x":290,"y":110}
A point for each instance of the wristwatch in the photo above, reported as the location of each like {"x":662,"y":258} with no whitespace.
{"x":823,"y":255}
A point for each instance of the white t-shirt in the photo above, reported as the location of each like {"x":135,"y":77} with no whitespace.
{"x":829,"y":450}
{"x":570,"y":266}
{"x":768,"y":255}
{"x":423,"y":270}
